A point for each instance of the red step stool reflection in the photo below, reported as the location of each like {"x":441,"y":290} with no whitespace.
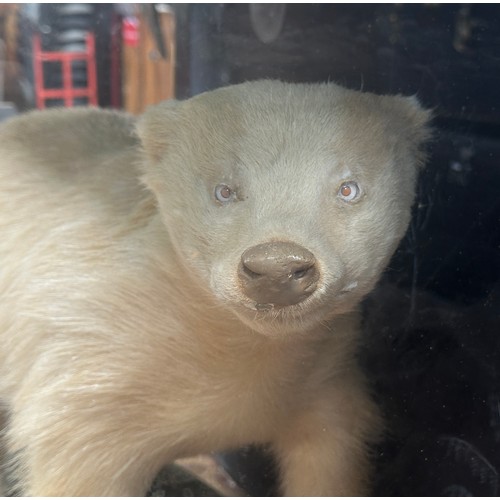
{"x":67,"y":92}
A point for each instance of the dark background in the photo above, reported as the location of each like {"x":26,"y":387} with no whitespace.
{"x":432,"y":326}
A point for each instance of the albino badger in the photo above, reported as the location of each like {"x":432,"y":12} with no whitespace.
{"x":190,"y":284}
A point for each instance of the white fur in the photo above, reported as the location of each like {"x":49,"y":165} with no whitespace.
{"x":127,"y":340}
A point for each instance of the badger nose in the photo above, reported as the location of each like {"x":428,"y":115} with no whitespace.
{"x":278,"y":273}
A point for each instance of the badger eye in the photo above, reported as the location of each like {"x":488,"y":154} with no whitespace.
{"x":223,"y":193}
{"x":348,"y":191}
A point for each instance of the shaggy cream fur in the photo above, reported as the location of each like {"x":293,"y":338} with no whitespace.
{"x":127,"y":338}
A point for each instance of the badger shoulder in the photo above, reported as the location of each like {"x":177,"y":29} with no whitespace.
{"x":66,"y":140}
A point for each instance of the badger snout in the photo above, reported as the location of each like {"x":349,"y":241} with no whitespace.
{"x":278,"y":273}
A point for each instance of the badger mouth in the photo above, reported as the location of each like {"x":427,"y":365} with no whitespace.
{"x":315,"y":309}
{"x":269,"y":316}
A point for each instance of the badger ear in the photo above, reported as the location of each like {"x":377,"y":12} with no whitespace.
{"x":156,"y":126}
{"x":416,"y":124}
